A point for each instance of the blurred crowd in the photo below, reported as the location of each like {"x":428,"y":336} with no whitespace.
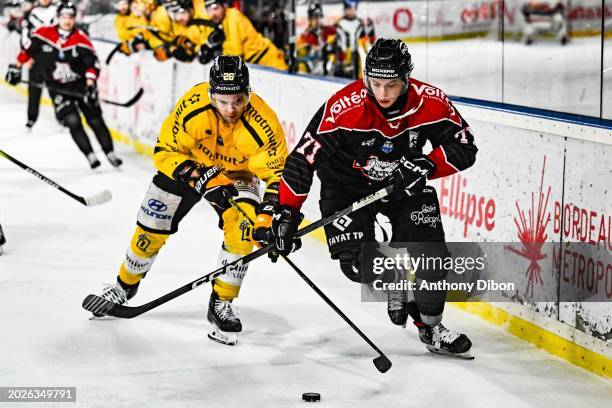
{"x":199,"y":30}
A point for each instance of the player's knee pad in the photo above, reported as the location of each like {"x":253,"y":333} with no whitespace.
{"x":228,"y":285}
{"x":165,"y":204}
{"x":237,"y":230}
{"x":72,"y":121}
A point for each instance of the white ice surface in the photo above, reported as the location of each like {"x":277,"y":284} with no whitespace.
{"x":58,"y":251}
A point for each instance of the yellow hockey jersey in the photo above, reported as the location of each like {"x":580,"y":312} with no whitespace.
{"x":242,"y":39}
{"x":125,"y":26}
{"x":195,"y":131}
{"x":168,"y":30}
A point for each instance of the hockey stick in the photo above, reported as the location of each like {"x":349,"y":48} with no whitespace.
{"x":98,"y":305}
{"x":96,"y":199}
{"x":382,"y":362}
{"x":78,"y":95}
{"x":112,"y":53}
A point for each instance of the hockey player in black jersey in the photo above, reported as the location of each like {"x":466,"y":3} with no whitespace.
{"x":43,"y":14}
{"x":368,"y":135}
{"x":68,"y":62}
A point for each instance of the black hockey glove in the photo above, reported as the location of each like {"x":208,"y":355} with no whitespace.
{"x":13,"y":75}
{"x":209,"y":182}
{"x":216,"y":38}
{"x":212,"y":47}
{"x":410,"y":176}
{"x":90,"y":97}
{"x":285,"y":223}
{"x":263,"y":223}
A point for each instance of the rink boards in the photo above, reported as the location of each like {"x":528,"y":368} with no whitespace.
{"x":521,"y":156}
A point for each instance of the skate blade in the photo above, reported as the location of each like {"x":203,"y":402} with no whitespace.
{"x":463,"y":356}
{"x":227,"y":338}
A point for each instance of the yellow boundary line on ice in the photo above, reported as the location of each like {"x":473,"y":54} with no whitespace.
{"x":521,"y":328}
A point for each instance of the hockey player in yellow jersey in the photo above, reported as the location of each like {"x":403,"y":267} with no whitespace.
{"x":237,"y":36}
{"x":176,"y":34}
{"x":219,"y":141}
{"x":130,"y":22}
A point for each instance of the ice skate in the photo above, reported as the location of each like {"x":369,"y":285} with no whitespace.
{"x":441,"y":340}
{"x":93,"y":160}
{"x":224,"y":323}
{"x":113,"y":159}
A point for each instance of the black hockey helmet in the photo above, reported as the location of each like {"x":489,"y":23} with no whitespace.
{"x":388,"y":59}
{"x":66,"y":7}
{"x":315,"y":10}
{"x":229,"y":75}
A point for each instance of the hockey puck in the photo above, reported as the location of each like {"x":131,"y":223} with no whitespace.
{"x":311,"y":396}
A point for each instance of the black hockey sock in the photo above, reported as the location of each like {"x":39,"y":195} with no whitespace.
{"x":73,"y":122}
{"x":102,"y":134}
{"x":33,"y":103}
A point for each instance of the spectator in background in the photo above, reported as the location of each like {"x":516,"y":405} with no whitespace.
{"x":273,"y":25}
{"x":354,"y":39}
{"x":133,"y":16}
{"x":43,"y":14}
{"x":315,"y":46}
{"x":235,"y":35}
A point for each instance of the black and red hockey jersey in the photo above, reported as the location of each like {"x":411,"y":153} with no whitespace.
{"x":66,"y":60}
{"x":354,"y":147}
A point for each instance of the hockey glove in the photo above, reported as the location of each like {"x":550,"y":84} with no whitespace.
{"x":138,"y":44}
{"x":263,"y":223}
{"x":161,"y":53}
{"x":285,"y":223}
{"x":209,"y":182}
{"x":126,"y":48}
{"x":90,"y":97}
{"x":212,"y":47}
{"x":216,"y":38}
{"x":410,"y":176}
{"x":183,"y":50}
{"x":13,"y":75}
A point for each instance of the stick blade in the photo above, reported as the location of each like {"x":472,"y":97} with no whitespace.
{"x":97,"y":305}
{"x":382,"y":363}
{"x":100,"y":198}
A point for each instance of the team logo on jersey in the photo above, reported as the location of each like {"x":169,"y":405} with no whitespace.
{"x":427,"y":215}
{"x":376,"y":169}
{"x":387,"y":147}
{"x":157,"y":205}
{"x":63,"y":73}
{"x":47,"y":48}
{"x":342,"y":223}
{"x":369,"y":142}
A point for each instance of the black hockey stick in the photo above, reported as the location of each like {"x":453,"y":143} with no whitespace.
{"x":78,"y":95}
{"x":112,"y":53}
{"x":96,"y":199}
{"x":382,"y":362}
{"x":97,"y":305}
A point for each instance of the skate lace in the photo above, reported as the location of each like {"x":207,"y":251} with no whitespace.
{"x":442,"y":334}
{"x":225,"y":310}
{"x":114,"y":294}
